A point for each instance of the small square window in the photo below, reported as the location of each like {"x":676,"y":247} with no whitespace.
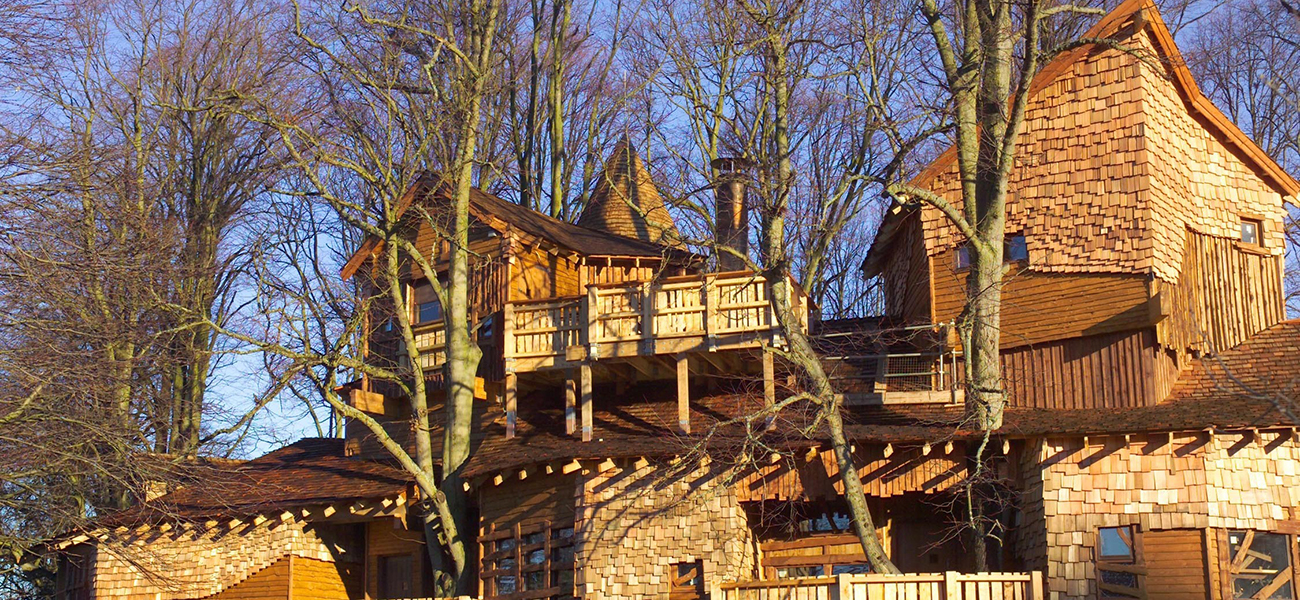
{"x":1115,"y":544}
{"x":1016,"y":249}
{"x":1250,"y":231}
{"x":962,"y":258}
{"x":688,"y":581}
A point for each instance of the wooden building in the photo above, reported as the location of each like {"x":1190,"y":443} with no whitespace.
{"x":1149,"y":450}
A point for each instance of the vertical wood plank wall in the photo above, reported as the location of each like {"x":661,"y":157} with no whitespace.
{"x":1112,"y":370}
{"x":1224,"y":295}
{"x":906,"y":275}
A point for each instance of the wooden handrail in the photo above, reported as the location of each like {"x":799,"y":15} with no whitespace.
{"x":708,"y":306}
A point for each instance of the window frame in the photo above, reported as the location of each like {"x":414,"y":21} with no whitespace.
{"x":1257,"y":224}
{"x":416,"y":308}
{"x":551,"y":540}
{"x":961,"y":254}
{"x":680,"y":587}
{"x":1131,"y":564}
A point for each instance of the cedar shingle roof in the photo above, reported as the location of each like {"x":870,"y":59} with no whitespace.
{"x":626,"y":202}
{"x":1240,"y":389}
{"x":309,"y":472}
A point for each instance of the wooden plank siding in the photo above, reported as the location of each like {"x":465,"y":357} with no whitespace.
{"x":906,"y":275}
{"x":537,"y":274}
{"x":1226,"y":292}
{"x":538,"y":499}
{"x":1041,"y":307}
{"x":269,"y":583}
{"x":1176,"y":565}
{"x":386,"y":537}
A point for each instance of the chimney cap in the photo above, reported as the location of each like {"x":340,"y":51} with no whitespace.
{"x":731,"y":164}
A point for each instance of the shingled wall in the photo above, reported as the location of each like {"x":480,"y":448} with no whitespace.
{"x":1198,"y":481}
{"x":1113,"y":167}
{"x":197,"y":563}
{"x":635,"y":524}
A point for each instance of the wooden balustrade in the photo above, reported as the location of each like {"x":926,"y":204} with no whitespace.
{"x":911,"y":586}
{"x":671,"y":316}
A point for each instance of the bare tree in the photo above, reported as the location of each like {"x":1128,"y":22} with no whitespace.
{"x":393,"y":144}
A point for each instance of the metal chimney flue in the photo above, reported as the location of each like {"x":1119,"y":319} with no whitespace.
{"x":730,"y":217}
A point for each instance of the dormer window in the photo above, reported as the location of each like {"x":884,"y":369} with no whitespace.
{"x":1251,"y":230}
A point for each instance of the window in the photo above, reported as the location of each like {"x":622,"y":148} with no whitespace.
{"x":1117,"y":570}
{"x":1261,"y":565}
{"x":688,"y":581}
{"x":1116,"y":543}
{"x":537,"y":561}
{"x":427,"y":307}
{"x":1016,"y":249}
{"x":395,"y":576}
{"x":1250,"y":231}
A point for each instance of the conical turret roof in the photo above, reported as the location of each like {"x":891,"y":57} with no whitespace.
{"x":626,"y":202}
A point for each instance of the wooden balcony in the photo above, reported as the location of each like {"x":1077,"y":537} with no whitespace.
{"x":911,"y":586}
{"x":706,"y":312}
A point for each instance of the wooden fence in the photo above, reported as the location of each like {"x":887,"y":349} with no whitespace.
{"x":912,"y":586}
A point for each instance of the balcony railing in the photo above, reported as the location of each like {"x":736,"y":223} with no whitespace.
{"x":898,"y":365}
{"x":912,"y":586}
{"x":715,"y":311}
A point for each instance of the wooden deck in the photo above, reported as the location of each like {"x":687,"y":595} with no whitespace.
{"x":707,"y":312}
{"x":912,"y":586}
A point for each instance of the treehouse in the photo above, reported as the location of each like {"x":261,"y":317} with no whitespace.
{"x":1149,"y":449}
{"x":615,"y":297}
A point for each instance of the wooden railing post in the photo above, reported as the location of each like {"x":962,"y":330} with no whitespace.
{"x":647,"y":318}
{"x":589,"y":316}
{"x":508,"y":337}
{"x":951,"y":586}
{"x":710,"y":312}
{"x":843,"y":587}
{"x":1035,"y":586}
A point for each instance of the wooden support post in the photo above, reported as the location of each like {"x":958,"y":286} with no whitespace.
{"x":584,"y":372}
{"x":769,"y":387}
{"x":951,"y":586}
{"x":683,"y":394}
{"x":647,"y":319}
{"x":570,"y":404}
{"x":512,"y":387}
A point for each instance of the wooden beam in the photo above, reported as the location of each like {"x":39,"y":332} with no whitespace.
{"x":683,"y":394}
{"x":769,"y":387}
{"x":570,"y":404}
{"x":889,"y":450}
{"x":584,"y":372}
{"x":571,"y":467}
{"x":512,"y":414}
